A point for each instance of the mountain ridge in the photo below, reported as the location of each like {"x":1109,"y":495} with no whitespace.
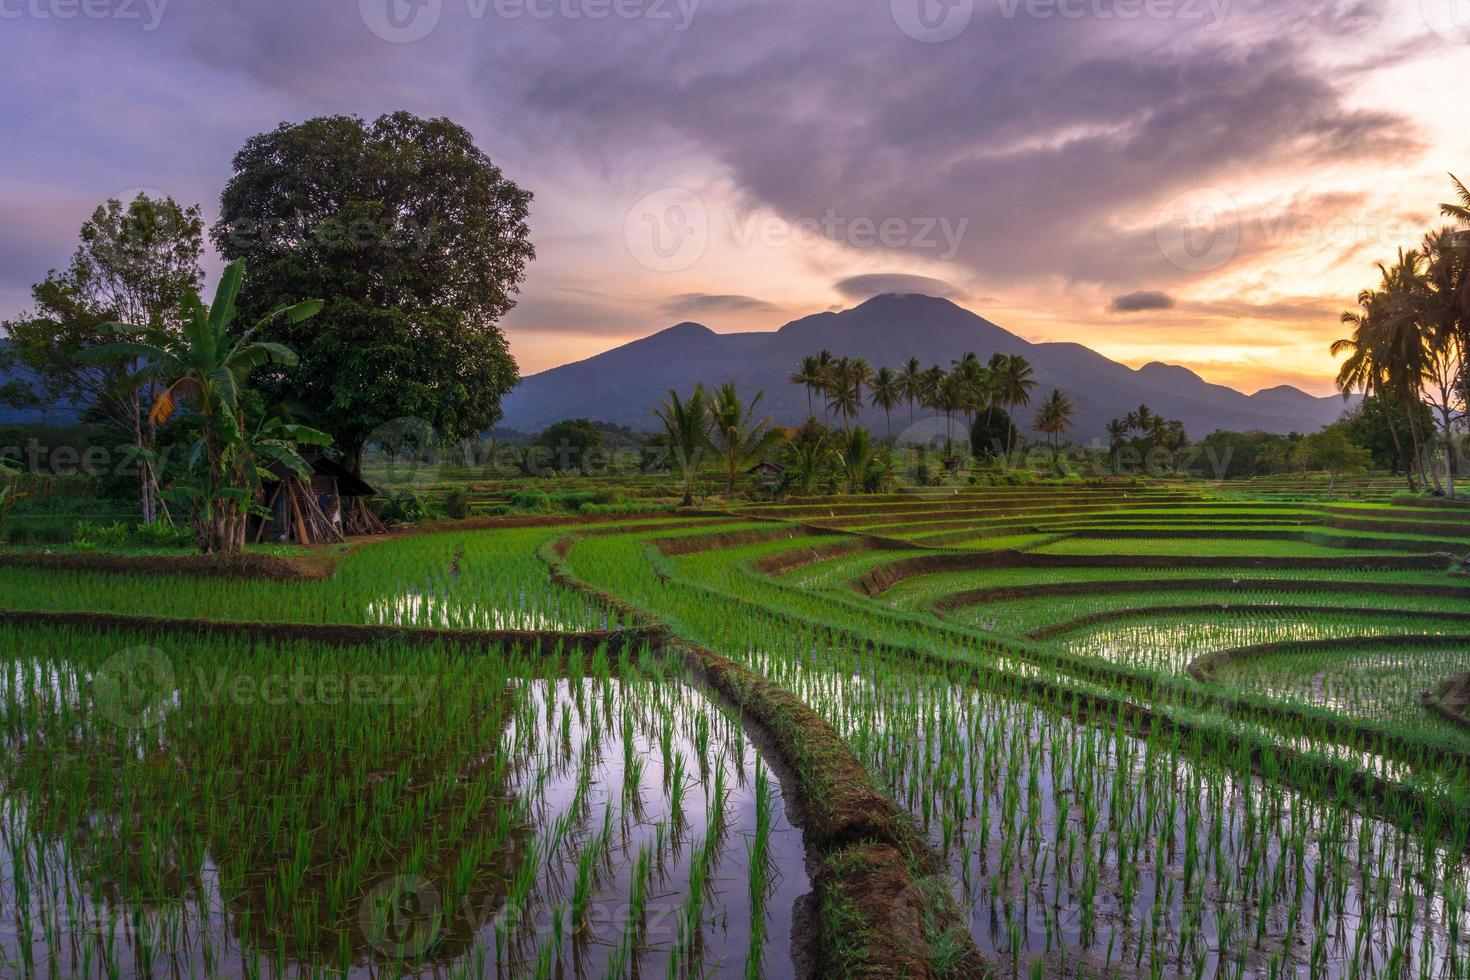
{"x":623,"y":385}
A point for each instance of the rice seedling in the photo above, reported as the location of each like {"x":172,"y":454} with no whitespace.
{"x":226,"y":807}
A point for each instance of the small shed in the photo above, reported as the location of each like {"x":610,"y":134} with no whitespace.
{"x":767,"y":474}
{"x":327,"y":509}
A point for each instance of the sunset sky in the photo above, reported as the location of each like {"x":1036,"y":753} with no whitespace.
{"x":1203,"y":182}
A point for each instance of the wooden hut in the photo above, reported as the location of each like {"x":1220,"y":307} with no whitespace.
{"x":332,"y":505}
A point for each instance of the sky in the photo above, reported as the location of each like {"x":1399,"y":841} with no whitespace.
{"x":1200,"y":182}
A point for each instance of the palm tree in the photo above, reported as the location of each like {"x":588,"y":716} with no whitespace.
{"x":811,"y":375}
{"x":1461,"y":211}
{"x":1015,"y":385}
{"x":975,"y":383}
{"x":887,"y":389}
{"x":952,"y":397}
{"x":912,"y":378}
{"x":687,"y":424}
{"x":737,"y":437}
{"x":856,"y":457}
{"x":808,"y":456}
{"x":1440,"y":292}
{"x":206,"y":367}
{"x":1367,"y":368}
{"x":1117,"y":437}
{"x":826,"y":365}
{"x":1054,"y":416}
{"x":844,"y":390}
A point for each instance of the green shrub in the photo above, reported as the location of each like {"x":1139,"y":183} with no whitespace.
{"x":90,"y":535}
{"x":457,"y":504}
{"x":161,"y":534}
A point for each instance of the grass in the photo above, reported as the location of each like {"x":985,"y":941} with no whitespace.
{"x":1070,"y":799}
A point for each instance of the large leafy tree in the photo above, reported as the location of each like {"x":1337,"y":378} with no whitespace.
{"x":136,"y":262}
{"x":416,"y":242}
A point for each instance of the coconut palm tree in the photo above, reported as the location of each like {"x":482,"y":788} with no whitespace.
{"x":687,"y":424}
{"x":1367,"y":368}
{"x":844,"y":391}
{"x":826,"y":365}
{"x":975,"y":383}
{"x":1117,"y":437}
{"x":810,"y":375}
{"x":205,"y":368}
{"x":1459,"y":211}
{"x":1054,"y":417}
{"x":912,"y":378}
{"x":952,"y":396}
{"x":737,"y":437}
{"x":887,"y":390}
{"x":1015,"y":384}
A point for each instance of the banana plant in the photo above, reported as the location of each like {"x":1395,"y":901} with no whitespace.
{"x":206,"y":369}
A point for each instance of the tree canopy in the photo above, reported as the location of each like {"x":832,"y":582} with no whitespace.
{"x":416,"y":242}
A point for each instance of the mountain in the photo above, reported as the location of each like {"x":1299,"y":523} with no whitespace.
{"x":623,"y":385}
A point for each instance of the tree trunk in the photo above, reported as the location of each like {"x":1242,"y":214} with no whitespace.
{"x":1398,"y":446}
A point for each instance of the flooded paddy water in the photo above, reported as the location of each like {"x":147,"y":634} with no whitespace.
{"x":220,"y":808}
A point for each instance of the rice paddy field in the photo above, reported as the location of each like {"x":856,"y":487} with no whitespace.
{"x":1091,"y":730}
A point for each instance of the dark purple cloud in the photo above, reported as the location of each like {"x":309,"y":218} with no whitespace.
{"x":1050,"y":141}
{"x":1141,"y":301}
{"x":866,"y":287}
{"x":687,"y":305}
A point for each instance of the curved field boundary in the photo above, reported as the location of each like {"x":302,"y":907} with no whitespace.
{"x":316,"y":565}
{"x":249,"y":565}
{"x":1450,"y":699}
{"x":883,"y":578}
{"x":1224,"y":608}
{"x":871,"y":911}
{"x":1203,"y":668}
{"x":343,"y":636}
{"x":1001,"y":593}
{"x":787,"y":561}
{"x":691,"y":544}
{"x":1301,"y":537}
{"x":1086,"y":704}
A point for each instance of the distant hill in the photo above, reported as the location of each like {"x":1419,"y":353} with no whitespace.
{"x":624,"y":384}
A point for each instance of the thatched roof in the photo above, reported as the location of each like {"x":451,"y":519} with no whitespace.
{"x":348,"y":484}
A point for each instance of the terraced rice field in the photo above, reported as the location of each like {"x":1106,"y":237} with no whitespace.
{"x":1113,"y":730}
